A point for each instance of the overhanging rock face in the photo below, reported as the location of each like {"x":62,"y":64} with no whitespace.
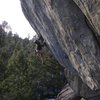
{"x":91,"y":10}
{"x":64,"y":27}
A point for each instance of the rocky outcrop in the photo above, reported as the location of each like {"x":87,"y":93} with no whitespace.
{"x":79,"y":88}
{"x":71,"y":29}
{"x":68,"y":94}
{"x":91,"y":10}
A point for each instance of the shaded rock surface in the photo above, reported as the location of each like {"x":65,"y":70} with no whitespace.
{"x":71,"y":29}
{"x":91,"y":10}
{"x":68,"y":94}
{"x":80,"y":88}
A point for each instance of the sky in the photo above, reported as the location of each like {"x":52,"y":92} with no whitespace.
{"x":10,"y":11}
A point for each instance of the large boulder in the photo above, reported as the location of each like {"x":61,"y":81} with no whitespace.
{"x":71,"y":29}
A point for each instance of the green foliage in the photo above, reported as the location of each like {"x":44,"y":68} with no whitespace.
{"x":22,"y":75}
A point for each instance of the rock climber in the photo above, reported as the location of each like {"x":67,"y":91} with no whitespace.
{"x":39,"y":48}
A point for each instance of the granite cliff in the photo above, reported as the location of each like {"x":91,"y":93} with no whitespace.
{"x":71,"y":29}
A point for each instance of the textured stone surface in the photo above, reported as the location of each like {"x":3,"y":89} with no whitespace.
{"x":63,"y":26}
{"x":80,"y":88}
{"x":91,"y":9}
{"x":71,"y":28}
{"x":67,"y":94}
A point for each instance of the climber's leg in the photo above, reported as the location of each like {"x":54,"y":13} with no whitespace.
{"x":41,"y":56}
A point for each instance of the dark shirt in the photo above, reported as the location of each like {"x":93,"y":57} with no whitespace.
{"x":38,"y":45}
